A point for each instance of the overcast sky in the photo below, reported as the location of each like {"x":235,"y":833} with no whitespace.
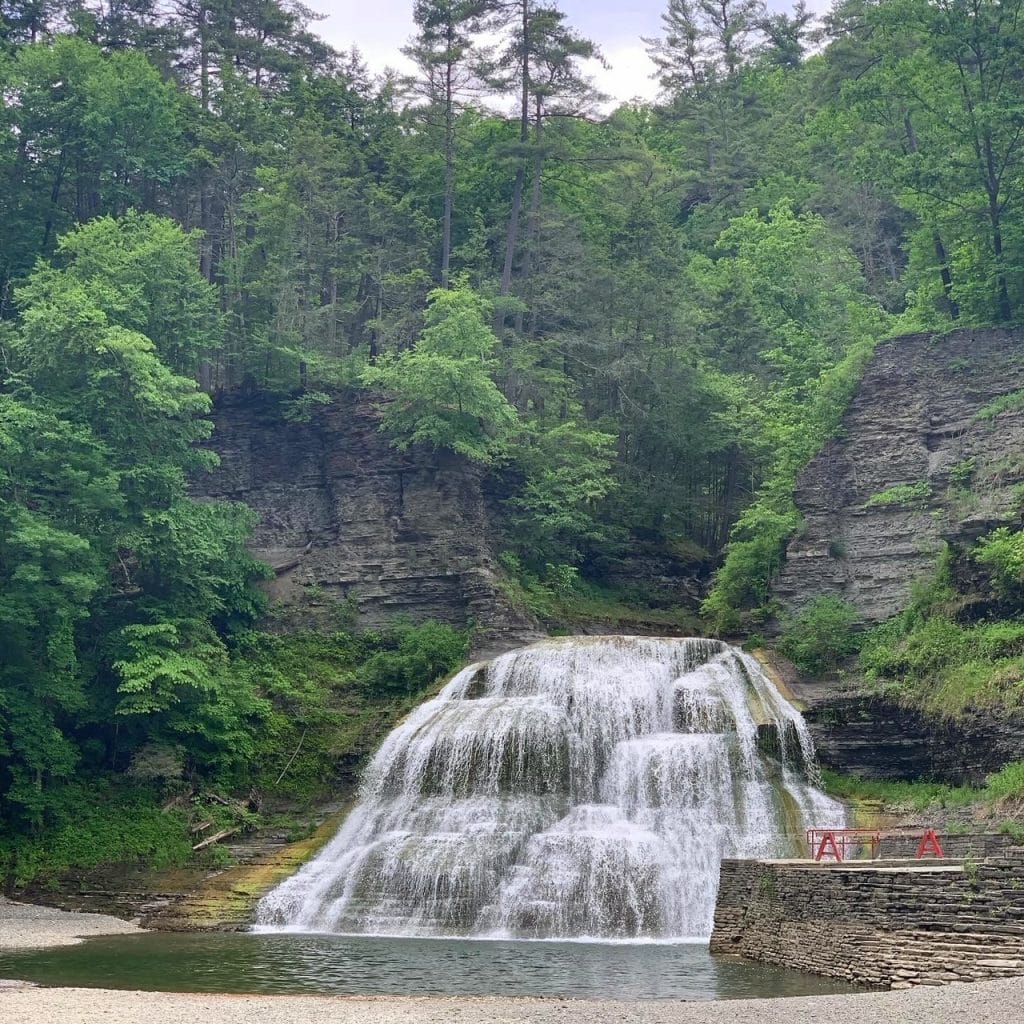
{"x":381,"y":27}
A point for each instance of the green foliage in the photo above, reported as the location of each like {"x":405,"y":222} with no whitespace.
{"x":118,"y":586}
{"x":1013,"y":829}
{"x":756,"y":549}
{"x":1007,"y":783}
{"x":303,"y":408}
{"x":901,"y":494}
{"x":961,"y":473}
{"x":916,"y":796}
{"x":1003,"y":552}
{"x":442,"y":389}
{"x":934,"y":661}
{"x":1004,"y":403}
{"x":821,"y":635}
{"x":102,"y":823}
{"x":567,"y":470}
{"x":288,"y":708}
{"x":412,"y":657}
{"x":564,"y":601}
{"x":140,"y":272}
{"x":537,"y":592}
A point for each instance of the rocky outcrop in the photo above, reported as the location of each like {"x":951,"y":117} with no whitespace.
{"x":865,"y":734}
{"x":859,"y":730}
{"x":913,"y":424}
{"x":355,"y":529}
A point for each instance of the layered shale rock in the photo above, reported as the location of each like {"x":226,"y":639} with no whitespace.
{"x":918,"y":427}
{"x":354,"y":527}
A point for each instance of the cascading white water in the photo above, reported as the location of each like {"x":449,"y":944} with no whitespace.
{"x":580,"y":787}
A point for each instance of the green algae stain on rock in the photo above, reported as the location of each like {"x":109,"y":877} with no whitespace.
{"x":226,"y":901}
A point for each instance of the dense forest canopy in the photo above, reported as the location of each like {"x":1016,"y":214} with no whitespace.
{"x":648,"y":319}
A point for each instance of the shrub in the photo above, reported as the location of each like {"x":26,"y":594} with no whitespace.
{"x":1007,"y":782}
{"x":1004,"y":403}
{"x":102,"y":823}
{"x":901,"y":494}
{"x":413,"y":657}
{"x":917,"y":796}
{"x":821,"y":635}
{"x":1003,"y":552}
{"x":961,"y":472}
{"x":932,"y":644}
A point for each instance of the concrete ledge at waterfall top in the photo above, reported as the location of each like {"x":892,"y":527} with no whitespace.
{"x":987,"y":1003}
{"x":885,"y":924}
{"x":25,"y":926}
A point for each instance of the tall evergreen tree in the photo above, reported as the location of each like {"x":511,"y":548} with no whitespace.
{"x":443,"y":51}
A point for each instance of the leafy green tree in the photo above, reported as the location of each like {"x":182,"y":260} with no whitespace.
{"x":90,"y":134}
{"x":540,"y":64}
{"x":567,"y":467}
{"x":59,"y":503}
{"x":794,"y":302}
{"x":704,"y":41}
{"x":941,"y":78}
{"x":119,"y":587}
{"x":442,"y":390}
{"x":140,"y":270}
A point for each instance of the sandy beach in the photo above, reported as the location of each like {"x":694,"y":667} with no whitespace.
{"x":23,"y":926}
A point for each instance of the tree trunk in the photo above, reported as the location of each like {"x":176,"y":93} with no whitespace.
{"x":992,"y":186}
{"x":941,"y":253}
{"x":512,"y":235}
{"x":533,"y":216}
{"x":449,"y":156}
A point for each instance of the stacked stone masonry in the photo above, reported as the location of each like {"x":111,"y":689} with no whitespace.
{"x":886,"y":924}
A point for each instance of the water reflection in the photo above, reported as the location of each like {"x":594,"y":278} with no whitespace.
{"x":375,"y":966}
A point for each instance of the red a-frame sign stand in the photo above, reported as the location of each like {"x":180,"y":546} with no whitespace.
{"x":828,"y":844}
{"x":929,"y":844}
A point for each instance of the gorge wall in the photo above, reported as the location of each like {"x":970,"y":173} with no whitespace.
{"x":918,"y":423}
{"x":353,"y":526}
{"x":913,"y":423}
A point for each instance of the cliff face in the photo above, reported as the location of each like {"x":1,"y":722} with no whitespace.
{"x":353,"y":526}
{"x":913,"y":423}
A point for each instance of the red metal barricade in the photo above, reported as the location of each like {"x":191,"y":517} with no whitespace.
{"x":839,"y":842}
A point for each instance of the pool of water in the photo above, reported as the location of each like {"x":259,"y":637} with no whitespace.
{"x":344,"y":965}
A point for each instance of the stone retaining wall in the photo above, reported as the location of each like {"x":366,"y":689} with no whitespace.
{"x":888,"y":924}
{"x":976,"y":845}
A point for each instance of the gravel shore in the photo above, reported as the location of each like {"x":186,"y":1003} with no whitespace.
{"x":23,"y":926}
{"x":991,"y":1002}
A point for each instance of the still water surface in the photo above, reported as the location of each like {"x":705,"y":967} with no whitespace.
{"x":343,"y":965}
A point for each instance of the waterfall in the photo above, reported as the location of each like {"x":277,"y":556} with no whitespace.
{"x":579,"y":787}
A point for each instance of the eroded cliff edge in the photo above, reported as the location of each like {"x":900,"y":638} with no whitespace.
{"x":918,"y":420}
{"x":924,"y":457}
{"x":353,"y":526}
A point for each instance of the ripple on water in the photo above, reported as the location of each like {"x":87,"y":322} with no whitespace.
{"x":359,"y":965}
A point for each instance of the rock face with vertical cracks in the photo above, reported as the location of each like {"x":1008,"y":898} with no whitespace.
{"x":345,"y":518}
{"x":925,"y":420}
{"x":913,"y":424}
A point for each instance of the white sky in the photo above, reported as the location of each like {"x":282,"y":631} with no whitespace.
{"x":381,"y":27}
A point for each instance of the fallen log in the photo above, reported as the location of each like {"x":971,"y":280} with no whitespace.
{"x":215,"y":839}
